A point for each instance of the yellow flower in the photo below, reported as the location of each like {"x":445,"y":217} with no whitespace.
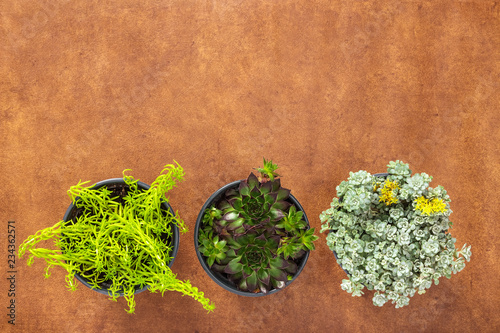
{"x":388,"y":193}
{"x":430,"y":207}
{"x":438,"y":206}
{"x":421,"y":201}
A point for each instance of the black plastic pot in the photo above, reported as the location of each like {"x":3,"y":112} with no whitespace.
{"x":340,"y":200}
{"x":219,"y":278}
{"x":72,"y":211}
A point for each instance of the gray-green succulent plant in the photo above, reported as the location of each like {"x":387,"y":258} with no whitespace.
{"x":391,"y":234}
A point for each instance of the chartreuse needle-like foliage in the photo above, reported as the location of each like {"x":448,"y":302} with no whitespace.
{"x":254,"y":235}
{"x":120,"y":239}
{"x":391,"y":234}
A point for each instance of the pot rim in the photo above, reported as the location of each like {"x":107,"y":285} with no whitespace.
{"x":217,"y":277}
{"x":175,"y":232}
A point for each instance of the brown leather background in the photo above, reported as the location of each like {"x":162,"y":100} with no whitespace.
{"x":89,"y":88}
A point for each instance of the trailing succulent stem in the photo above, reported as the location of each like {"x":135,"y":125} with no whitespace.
{"x":119,"y":239}
{"x":254,"y":235}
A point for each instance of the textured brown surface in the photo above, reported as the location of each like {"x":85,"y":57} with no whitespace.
{"x":89,"y":88}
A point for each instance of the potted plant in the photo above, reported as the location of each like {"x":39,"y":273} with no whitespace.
{"x":118,"y":237}
{"x":252,"y":236}
{"x":389,"y":232}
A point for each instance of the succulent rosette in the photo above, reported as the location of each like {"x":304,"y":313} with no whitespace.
{"x":253,"y":204}
{"x":251,"y":263}
{"x":254,"y":234}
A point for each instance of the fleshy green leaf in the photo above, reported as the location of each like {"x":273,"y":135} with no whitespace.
{"x":276,"y":184}
{"x":238,"y":205}
{"x":236,"y":224}
{"x":283,"y":194}
{"x":278,"y":274}
{"x":277,"y":214}
{"x":252,"y":181}
{"x":278,"y":263}
{"x":243,"y":285}
{"x":223,"y":205}
{"x":230,"y":217}
{"x":210,"y":261}
{"x":266,"y":187}
{"x":263,"y":276}
{"x":252,"y":281}
{"x":244,"y":188}
{"x":263,"y":287}
{"x":221,"y":256}
{"x":292,"y":267}
{"x":282,"y":205}
{"x":234,"y":266}
{"x":255,"y":193}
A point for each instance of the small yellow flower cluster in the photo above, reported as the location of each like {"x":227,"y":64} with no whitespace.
{"x":388,"y":193}
{"x":428,"y":207}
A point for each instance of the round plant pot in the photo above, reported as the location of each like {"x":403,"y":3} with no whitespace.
{"x":340,"y":200}
{"x":219,"y":278}
{"x":72,"y":212}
